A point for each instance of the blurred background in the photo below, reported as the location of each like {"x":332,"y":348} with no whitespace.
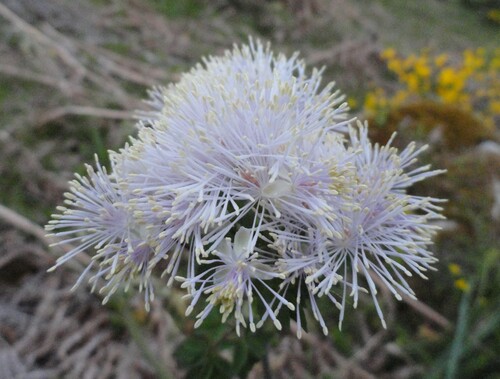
{"x":72,"y":72}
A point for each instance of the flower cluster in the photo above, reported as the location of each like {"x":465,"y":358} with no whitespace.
{"x":249,"y":186}
{"x":470,"y":82}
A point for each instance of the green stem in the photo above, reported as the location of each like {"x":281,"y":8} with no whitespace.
{"x":138,"y":337}
{"x":457,"y":346}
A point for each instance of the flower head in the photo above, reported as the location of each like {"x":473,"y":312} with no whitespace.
{"x":385,"y":235}
{"x":243,"y":181}
{"x":98,"y":217}
{"x":235,"y":277}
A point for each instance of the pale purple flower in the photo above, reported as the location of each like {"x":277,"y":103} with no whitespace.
{"x":242,"y":184}
{"x":298,"y":260}
{"x":247,"y":135}
{"x":231,"y":280}
{"x":98,"y":219}
{"x":386,"y":234}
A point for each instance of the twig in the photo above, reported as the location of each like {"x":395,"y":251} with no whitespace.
{"x":420,"y":307}
{"x":33,"y":76}
{"x":342,"y":362}
{"x":428,"y":312}
{"x":77,"y":110}
{"x":109,"y":85}
{"x":153,"y":73}
{"x":125,"y":73}
{"x":6,"y":258}
{"x":138,"y":337}
{"x":30,"y":30}
{"x":334,"y":53}
{"x":20,"y":222}
{"x":370,"y":345}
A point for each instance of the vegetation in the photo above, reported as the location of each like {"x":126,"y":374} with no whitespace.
{"x":73,"y":71}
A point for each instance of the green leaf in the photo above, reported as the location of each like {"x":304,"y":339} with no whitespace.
{"x":191,"y":352}
{"x":221,"y":368}
{"x":457,"y":345}
{"x":240,"y":356}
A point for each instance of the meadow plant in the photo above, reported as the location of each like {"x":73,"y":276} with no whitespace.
{"x":470,"y":82}
{"x":250,"y":187}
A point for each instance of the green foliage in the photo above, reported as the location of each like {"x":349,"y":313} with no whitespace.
{"x":179,"y":9}
{"x":214,"y":351}
{"x":489,"y":9}
{"x":426,"y":22}
{"x":480,"y":3}
{"x":457,"y":346}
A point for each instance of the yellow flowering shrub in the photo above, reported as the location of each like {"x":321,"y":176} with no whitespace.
{"x":470,"y":83}
{"x":457,"y":127}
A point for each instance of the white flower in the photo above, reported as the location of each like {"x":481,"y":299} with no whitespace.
{"x":248,"y":139}
{"x":97,"y":217}
{"x":386,"y":234}
{"x":232,"y":279}
{"x":242,"y":181}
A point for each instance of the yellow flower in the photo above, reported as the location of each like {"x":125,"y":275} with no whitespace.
{"x":400,"y":97}
{"x":440,"y":60}
{"x":396,"y":66}
{"x":370,"y":102}
{"x":412,"y":82}
{"x":375,"y":100}
{"x":421,"y":68}
{"x":352,"y":102}
{"x":140,"y":315}
{"x":473,"y":83}
{"x":389,"y":53}
{"x":495,"y":63}
{"x":462,"y":285}
{"x":409,"y":61}
{"x":454,"y":268}
{"x":472,"y":61}
{"x":494,"y":107}
{"x":447,"y":76}
{"x":494,"y":15}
